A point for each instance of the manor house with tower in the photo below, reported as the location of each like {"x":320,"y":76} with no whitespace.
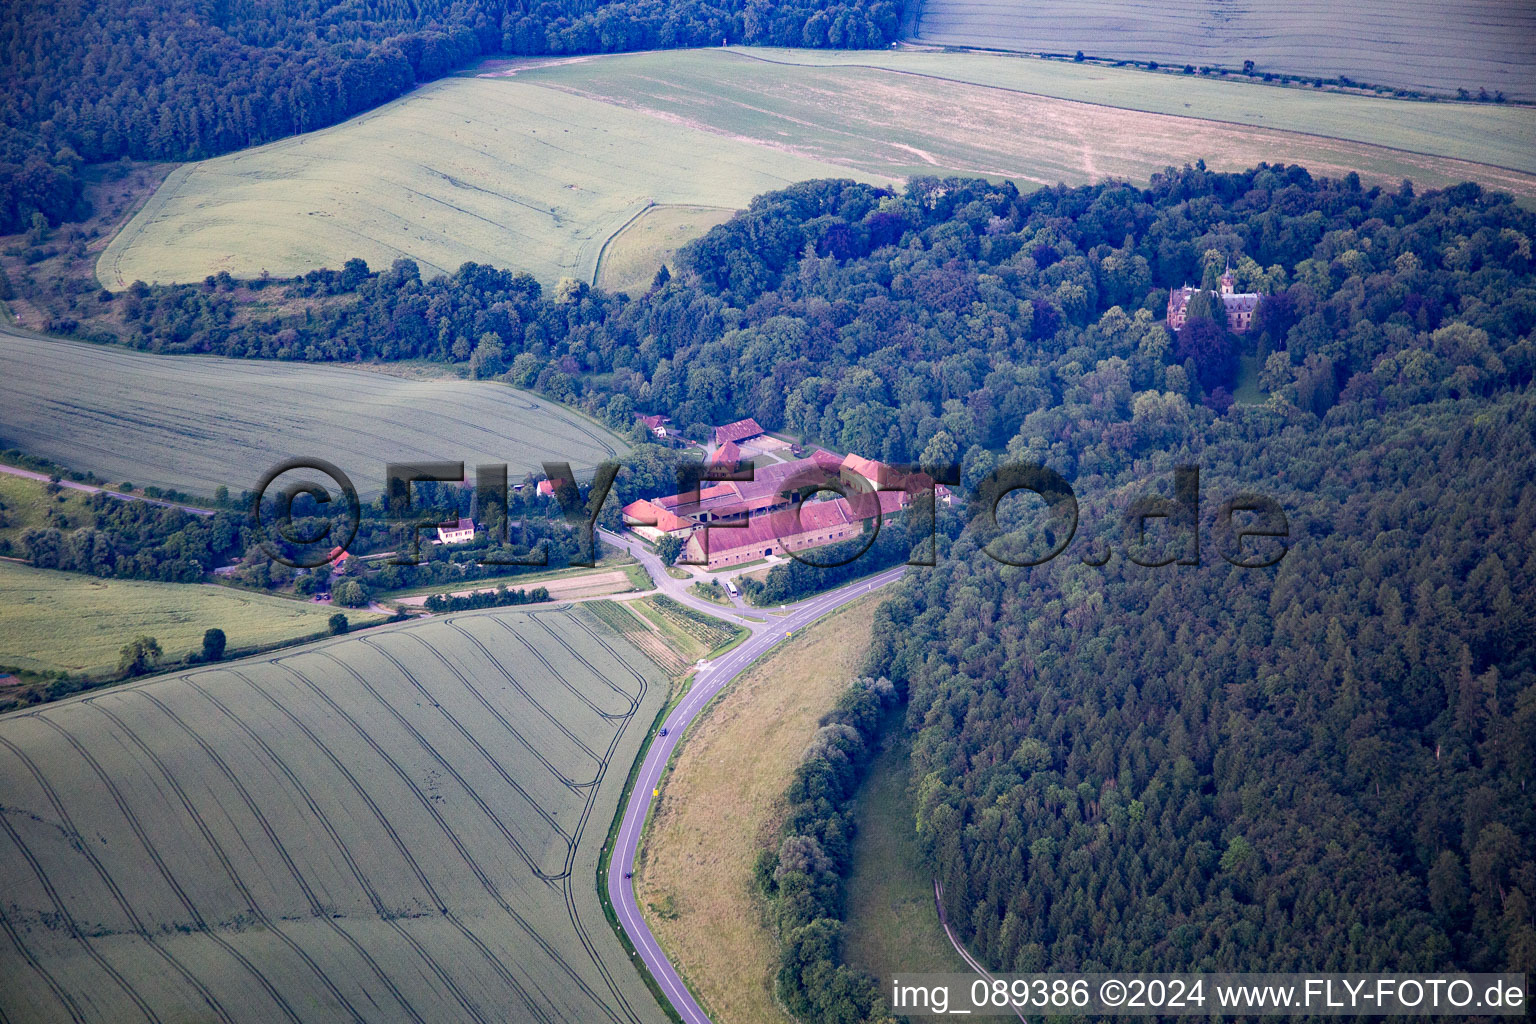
{"x":1239,"y":305}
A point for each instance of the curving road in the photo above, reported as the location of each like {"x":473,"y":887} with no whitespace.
{"x":710,"y":680}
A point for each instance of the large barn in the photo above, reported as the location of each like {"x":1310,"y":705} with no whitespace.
{"x":777,"y":509}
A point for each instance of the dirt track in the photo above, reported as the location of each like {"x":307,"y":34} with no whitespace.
{"x":588,"y":585}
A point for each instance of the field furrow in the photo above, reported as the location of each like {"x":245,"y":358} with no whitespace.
{"x":193,"y":423}
{"x":362,"y":829}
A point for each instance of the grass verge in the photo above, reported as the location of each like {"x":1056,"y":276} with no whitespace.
{"x":719,"y":802}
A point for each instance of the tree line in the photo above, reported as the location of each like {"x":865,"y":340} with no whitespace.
{"x":958,"y":320}
{"x":501,"y":597}
{"x":135,"y":540}
{"x":803,"y":873}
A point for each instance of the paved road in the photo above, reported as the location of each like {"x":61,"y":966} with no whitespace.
{"x":709,"y":681}
{"x":678,"y":589}
{"x":91,"y":489}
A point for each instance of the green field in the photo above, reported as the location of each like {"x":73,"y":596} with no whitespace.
{"x":77,"y":623}
{"x":1419,"y":45}
{"x":631,"y":258}
{"x":547,"y":166}
{"x":195,"y":422}
{"x":490,"y":171}
{"x":892,"y":927}
{"x":402,"y":826}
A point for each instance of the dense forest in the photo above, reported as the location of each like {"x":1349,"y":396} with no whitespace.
{"x":86,"y":81}
{"x":960,"y":320}
{"x":802,"y":874}
{"x":1319,"y":765}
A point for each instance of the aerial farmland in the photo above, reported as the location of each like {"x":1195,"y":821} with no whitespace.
{"x":596,"y":315}
{"x":558,"y":167}
{"x":403,"y":826}
{"x":197,"y":423}
{"x":1486,"y":44}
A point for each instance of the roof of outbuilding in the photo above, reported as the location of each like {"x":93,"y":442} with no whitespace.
{"x":738,"y":431}
{"x":648,"y":513}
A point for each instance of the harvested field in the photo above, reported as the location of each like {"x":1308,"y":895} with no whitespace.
{"x":1418,"y":45}
{"x":1500,"y":135}
{"x":546,"y":165}
{"x":402,"y":826}
{"x":195,"y":422}
{"x":893,"y":124}
{"x":584,"y":584}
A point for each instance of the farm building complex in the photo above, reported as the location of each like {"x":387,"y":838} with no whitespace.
{"x":771,"y":509}
{"x":808,"y":525}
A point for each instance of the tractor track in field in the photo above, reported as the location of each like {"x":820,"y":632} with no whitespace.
{"x":117,"y":895}
{"x":325,"y":822}
{"x":317,"y":910}
{"x":552,"y":719}
{"x":74,"y":932}
{"x":381,"y":795}
{"x":539,"y":656}
{"x":437,"y":969}
{"x":228,"y":866}
{"x":469,"y":861}
{"x":474,"y":691}
{"x":404,"y":776}
{"x":126,"y":809}
{"x":443,"y":762}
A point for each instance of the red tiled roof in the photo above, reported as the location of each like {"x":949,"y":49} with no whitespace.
{"x":864,"y":467}
{"x":647,"y":513}
{"x":726,"y":453}
{"x":654,"y":421}
{"x":786,"y":525}
{"x":719,"y":490}
{"x":826,"y":460}
{"x":738,"y":431}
